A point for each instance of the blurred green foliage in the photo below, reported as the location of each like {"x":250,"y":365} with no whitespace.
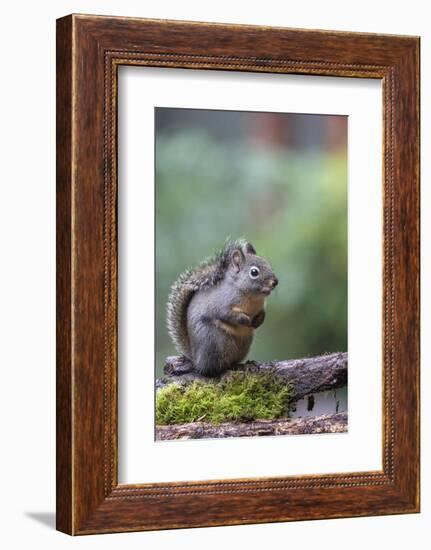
{"x":291,"y":205}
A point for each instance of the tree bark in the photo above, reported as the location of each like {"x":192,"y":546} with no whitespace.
{"x":305,"y":376}
{"x":330,"y":423}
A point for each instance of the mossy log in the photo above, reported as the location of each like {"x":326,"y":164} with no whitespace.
{"x":330,"y":423}
{"x":305,"y":376}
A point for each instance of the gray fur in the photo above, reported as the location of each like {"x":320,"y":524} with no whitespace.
{"x":214,"y":308}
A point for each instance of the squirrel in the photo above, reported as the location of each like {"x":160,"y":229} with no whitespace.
{"x":214,"y":308}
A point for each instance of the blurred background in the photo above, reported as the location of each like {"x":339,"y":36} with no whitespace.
{"x":278,"y":180}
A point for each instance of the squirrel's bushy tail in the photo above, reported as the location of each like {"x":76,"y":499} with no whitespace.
{"x":176,"y":312}
{"x":182,"y":292}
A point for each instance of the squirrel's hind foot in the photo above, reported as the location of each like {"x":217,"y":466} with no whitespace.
{"x":178,"y":365}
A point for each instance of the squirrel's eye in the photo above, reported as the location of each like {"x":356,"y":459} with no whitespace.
{"x":254,"y":272}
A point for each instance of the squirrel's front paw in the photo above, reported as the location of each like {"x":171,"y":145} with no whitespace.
{"x":258,"y":319}
{"x":243,"y":319}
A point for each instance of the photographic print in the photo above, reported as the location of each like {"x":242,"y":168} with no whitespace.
{"x":251,"y":273}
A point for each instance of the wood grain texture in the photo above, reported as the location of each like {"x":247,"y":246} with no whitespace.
{"x":64,"y":497}
{"x":326,"y":423}
{"x":89,"y":51}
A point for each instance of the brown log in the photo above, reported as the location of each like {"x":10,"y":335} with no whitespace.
{"x":329,"y":423}
{"x":305,"y":376}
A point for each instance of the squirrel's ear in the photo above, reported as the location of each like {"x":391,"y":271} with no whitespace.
{"x":249,"y":249}
{"x":237,"y":258}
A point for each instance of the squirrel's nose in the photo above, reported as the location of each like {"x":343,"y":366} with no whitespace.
{"x":273,"y":282}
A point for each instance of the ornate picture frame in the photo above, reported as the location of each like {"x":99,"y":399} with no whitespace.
{"x":89,"y":51}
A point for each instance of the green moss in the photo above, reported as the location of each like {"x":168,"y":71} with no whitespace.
{"x":239,"y":397}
